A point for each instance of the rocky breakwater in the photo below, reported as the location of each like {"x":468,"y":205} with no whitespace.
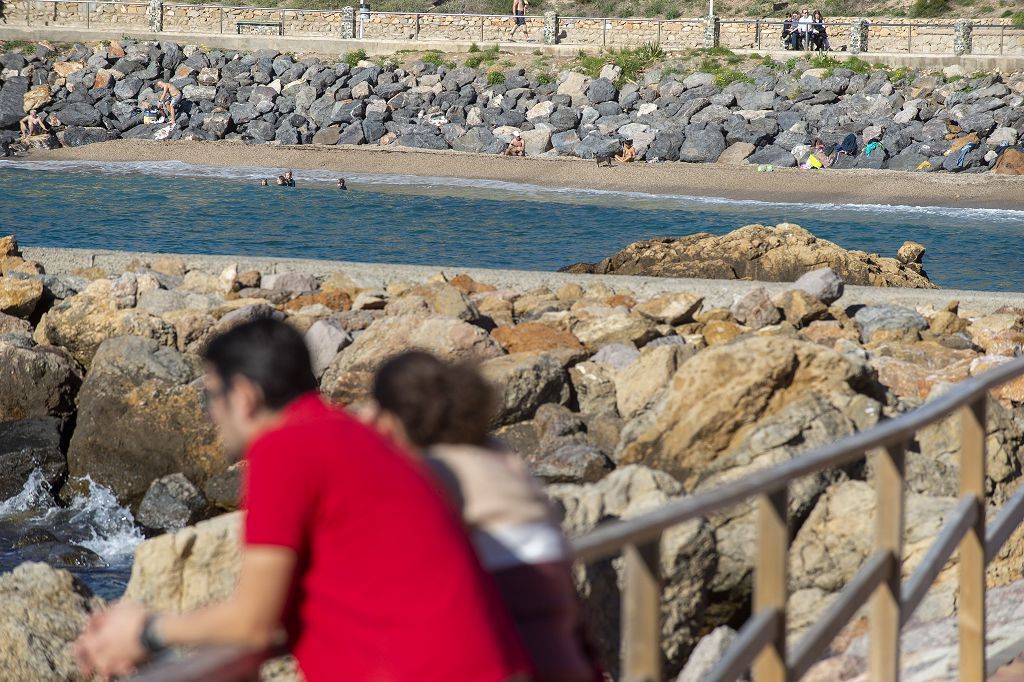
{"x":781,"y":253}
{"x":619,"y":404}
{"x":769,"y":115}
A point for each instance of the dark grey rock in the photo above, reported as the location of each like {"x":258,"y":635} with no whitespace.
{"x":27,"y":446}
{"x":702,"y":146}
{"x":595,"y":144}
{"x":774,"y":155}
{"x":170,"y":504}
{"x":76,"y":136}
{"x":892,"y":319}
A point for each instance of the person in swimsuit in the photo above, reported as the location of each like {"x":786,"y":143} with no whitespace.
{"x":519,"y":12}
{"x":30,"y":123}
{"x":628,"y":153}
{"x":341,"y":183}
{"x":170,"y":97}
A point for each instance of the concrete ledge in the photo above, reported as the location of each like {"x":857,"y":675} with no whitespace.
{"x":373,"y":275}
{"x":328,"y":45}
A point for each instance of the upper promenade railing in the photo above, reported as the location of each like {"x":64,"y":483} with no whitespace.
{"x":981,"y":37}
{"x":761,"y":644}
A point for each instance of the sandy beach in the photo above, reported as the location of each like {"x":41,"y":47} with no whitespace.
{"x":707,"y":180}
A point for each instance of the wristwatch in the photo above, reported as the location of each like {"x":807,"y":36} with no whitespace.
{"x":150,"y":641}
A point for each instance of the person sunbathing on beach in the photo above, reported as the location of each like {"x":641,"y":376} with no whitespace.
{"x":628,"y":154}
{"x":517,"y":147}
{"x":170,"y":97}
{"x":30,"y":123}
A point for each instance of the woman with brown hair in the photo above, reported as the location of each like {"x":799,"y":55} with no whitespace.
{"x":443,"y":413}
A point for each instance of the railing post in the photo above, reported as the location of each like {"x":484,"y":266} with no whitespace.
{"x":972,"y":547}
{"x":658,"y":41}
{"x":885,"y":603}
{"x":348,"y":22}
{"x":962,"y":40}
{"x":220,"y":16}
{"x":712,"y":31}
{"x":550,"y":28}
{"x":910,"y":38}
{"x":770,"y":581}
{"x":757,"y":34}
{"x":859,"y":36}
{"x":641,"y":613}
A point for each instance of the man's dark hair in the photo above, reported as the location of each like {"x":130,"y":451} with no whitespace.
{"x":436,"y":402}
{"x":269,"y":353}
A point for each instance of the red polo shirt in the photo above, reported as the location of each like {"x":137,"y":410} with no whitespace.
{"x":388,"y":587}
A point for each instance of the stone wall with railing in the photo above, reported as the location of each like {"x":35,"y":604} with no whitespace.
{"x":913,"y":36}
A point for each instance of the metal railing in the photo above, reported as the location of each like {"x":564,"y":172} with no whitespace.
{"x":365,"y":19}
{"x":761,"y":644}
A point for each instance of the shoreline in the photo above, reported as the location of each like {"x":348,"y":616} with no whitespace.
{"x":736,"y":182}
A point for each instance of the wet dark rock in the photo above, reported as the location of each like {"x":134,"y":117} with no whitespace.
{"x":26,"y":446}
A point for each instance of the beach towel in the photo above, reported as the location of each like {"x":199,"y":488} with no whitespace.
{"x":813,"y":162}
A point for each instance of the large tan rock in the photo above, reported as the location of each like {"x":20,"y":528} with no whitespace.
{"x":44,"y":610}
{"x":671,"y":308}
{"x":19,"y":297}
{"x":349,"y":376}
{"x":687,"y":560}
{"x":81,"y":323}
{"x":534,"y":336}
{"x":37,"y":97}
{"x":911,"y":371}
{"x":637,"y":386}
{"x":775,"y":254}
{"x":189,"y":568}
{"x":140,"y":418}
{"x":725,"y":391}
{"x":65,"y":69}
{"x":9,"y":246}
{"x":195,"y":566}
{"x":598,"y":325}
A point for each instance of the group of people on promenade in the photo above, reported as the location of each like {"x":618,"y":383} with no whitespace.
{"x":805,"y":31}
{"x":397,"y":542}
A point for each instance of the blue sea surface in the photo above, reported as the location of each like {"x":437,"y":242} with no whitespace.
{"x":176,"y":207}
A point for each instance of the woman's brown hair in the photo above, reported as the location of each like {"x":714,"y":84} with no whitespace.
{"x":436,"y":402}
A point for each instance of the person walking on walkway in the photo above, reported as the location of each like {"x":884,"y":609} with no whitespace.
{"x":348,"y":544}
{"x":519,"y":14}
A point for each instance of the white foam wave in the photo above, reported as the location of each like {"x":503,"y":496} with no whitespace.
{"x":517,"y":190}
{"x":94,"y":520}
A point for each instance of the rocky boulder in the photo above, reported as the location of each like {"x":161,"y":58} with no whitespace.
{"x":44,"y":611}
{"x":525,"y":381}
{"x":140,"y":418}
{"x":36,"y":381}
{"x":27,"y":446}
{"x":349,"y":375}
{"x":775,"y":254}
{"x":688,"y":560}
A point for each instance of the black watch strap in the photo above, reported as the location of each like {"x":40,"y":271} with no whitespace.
{"x":149,"y":639}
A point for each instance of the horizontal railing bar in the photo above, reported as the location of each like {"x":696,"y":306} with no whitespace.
{"x":751,"y":639}
{"x":856,"y":593}
{"x":959,"y":522}
{"x":445,"y":14}
{"x":607,"y":539}
{"x":222,"y":663}
{"x":1000,"y":530}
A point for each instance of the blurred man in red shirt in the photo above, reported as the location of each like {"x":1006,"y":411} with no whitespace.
{"x":348,"y":545}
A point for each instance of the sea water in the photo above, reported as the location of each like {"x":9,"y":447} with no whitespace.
{"x":177,"y":207}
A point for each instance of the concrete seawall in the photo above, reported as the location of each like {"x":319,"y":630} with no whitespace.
{"x":372,"y":275}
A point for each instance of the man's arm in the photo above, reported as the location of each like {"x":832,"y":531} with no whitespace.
{"x":111,"y":643}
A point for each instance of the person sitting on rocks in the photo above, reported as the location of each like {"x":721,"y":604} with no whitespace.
{"x":517,"y":147}
{"x":170,"y":97}
{"x":348,"y":546}
{"x":30,"y":123}
{"x":628,"y":154}
{"x":443,"y":412}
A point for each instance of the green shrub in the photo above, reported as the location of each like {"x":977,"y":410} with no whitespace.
{"x":857,"y":65}
{"x":929,"y":8}
{"x":353,"y":57}
{"x":495,"y":78}
{"x":437,"y":58}
{"x":673,"y":13}
{"x":724,"y":77}
{"x":473,"y":47}
{"x":709,"y":65}
{"x":824,"y":61}
{"x":543,"y":78}
{"x":473,"y":61}
{"x":718,"y":51}
{"x":1017,"y":19}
